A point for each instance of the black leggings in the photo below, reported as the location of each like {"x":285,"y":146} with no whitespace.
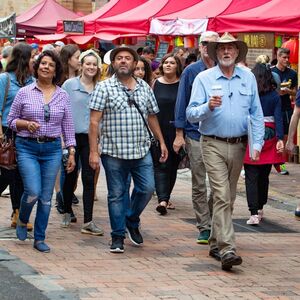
{"x":165,"y":177}
{"x":87,"y":175}
{"x":257,"y":186}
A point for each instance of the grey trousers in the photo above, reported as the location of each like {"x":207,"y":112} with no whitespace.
{"x":223,"y":163}
{"x":202,"y":206}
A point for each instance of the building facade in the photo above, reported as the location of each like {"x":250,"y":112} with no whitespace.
{"x":84,"y":7}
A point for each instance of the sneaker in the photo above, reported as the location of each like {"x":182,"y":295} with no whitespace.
{"x":91,"y":228}
{"x":135,"y":235}
{"x":253,"y":220}
{"x":283,"y":170}
{"x":203,"y":237}
{"x":73,"y":217}
{"x":117,"y":244}
{"x":75,"y":200}
{"x":66,"y":220}
{"x":59,"y":203}
{"x":260,"y":214}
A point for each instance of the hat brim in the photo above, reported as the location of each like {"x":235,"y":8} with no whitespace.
{"x":242,"y":46}
{"x":115,"y":51}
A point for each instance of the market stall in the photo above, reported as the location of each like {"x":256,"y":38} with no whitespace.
{"x":42,"y":18}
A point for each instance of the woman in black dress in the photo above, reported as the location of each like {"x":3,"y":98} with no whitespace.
{"x":165,"y":89}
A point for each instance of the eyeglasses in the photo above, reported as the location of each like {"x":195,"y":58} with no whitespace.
{"x":204,"y":43}
{"x":47,"y":112}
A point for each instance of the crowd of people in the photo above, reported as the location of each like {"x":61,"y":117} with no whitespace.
{"x":68,"y":109}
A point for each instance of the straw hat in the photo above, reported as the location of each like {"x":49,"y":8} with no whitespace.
{"x":225,"y":39}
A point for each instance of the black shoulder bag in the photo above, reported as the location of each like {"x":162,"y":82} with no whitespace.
{"x":154,"y":143}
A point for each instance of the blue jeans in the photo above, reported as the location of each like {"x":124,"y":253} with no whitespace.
{"x":38,"y":165}
{"x":117,"y":172}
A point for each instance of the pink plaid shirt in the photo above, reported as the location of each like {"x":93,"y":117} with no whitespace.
{"x":29,"y":105}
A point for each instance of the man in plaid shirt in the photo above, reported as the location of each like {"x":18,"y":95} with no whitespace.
{"x":125,"y":144}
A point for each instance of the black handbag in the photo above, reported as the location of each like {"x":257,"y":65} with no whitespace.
{"x":154,"y":143}
{"x":7,"y":145}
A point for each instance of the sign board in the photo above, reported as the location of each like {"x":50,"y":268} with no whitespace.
{"x":75,"y":27}
{"x":162,"y":50}
{"x":8,"y":26}
{"x":258,"y":40}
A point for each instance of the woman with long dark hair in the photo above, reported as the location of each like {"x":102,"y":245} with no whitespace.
{"x":41,"y":114}
{"x":18,"y":74}
{"x":165,"y":90}
{"x":143,"y":70}
{"x":69,"y":56}
{"x":257,"y":172}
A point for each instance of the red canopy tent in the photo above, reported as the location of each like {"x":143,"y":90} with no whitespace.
{"x":112,"y":8}
{"x":274,"y":16}
{"x":202,"y":14}
{"x":42,"y":18}
{"x":136,"y":22}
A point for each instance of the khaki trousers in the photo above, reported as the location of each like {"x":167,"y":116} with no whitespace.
{"x":223,"y":162}
{"x":202,"y":206}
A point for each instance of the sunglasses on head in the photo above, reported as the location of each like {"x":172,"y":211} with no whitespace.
{"x":47,"y":112}
{"x":204,"y":43}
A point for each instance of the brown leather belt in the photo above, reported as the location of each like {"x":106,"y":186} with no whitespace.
{"x":232,"y":140}
{"x":41,"y":139}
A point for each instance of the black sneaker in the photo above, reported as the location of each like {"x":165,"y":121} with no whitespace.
{"x":59,"y":203}
{"x":135,"y":235}
{"x":75,"y":200}
{"x":117,"y":244}
{"x":73,"y":217}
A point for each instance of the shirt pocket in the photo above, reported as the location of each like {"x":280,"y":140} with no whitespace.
{"x":245,"y":96}
{"x":117,"y":103}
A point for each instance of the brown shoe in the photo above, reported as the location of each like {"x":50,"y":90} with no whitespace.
{"x":215,"y":254}
{"x":230,"y":259}
{"x":14,"y":219}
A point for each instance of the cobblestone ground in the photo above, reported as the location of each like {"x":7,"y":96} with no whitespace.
{"x":170,"y":265}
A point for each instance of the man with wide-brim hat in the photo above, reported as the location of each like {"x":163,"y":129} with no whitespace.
{"x":224,"y":101}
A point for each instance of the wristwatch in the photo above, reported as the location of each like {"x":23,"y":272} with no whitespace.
{"x":72,"y":150}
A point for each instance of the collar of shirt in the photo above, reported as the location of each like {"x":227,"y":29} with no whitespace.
{"x":116,"y":82}
{"x":236,"y":72}
{"x":13,"y":79}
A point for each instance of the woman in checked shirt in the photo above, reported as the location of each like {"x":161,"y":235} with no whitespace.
{"x":40,"y":114}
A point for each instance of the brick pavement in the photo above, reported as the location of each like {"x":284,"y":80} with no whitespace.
{"x":170,"y":265}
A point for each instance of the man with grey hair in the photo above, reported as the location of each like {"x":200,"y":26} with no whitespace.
{"x":224,"y":101}
{"x":187,"y":135}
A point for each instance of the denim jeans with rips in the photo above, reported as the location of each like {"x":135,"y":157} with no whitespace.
{"x":38,"y":165}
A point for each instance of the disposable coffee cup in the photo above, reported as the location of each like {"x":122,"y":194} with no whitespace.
{"x":216,"y":90}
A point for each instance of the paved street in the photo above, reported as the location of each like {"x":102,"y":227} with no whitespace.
{"x":170,"y":265}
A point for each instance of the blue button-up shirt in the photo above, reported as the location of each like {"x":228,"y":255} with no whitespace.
{"x":183,"y":98}
{"x":80,"y":104}
{"x":14,"y":87}
{"x":239,"y":100}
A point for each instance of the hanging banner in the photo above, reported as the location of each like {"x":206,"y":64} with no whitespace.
{"x":178,"y":27}
{"x":8,"y":26}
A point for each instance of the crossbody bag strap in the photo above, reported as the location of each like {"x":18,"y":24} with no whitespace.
{"x":139,"y":110}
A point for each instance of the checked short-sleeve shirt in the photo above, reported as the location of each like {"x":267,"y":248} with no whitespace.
{"x":123,"y":132}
